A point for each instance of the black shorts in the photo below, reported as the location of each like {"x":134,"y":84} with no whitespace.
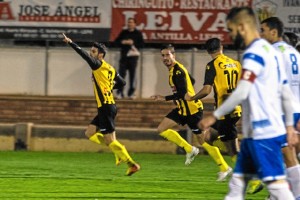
{"x":105,"y":120}
{"x":191,"y":120}
{"x":227,"y":128}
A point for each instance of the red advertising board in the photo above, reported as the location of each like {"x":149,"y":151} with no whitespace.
{"x":175,"y":21}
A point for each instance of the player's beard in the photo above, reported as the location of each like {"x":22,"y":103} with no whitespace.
{"x":167,"y":63}
{"x":238,"y":42}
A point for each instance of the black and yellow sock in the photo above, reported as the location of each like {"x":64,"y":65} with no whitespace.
{"x":214,"y":152}
{"x":97,"y":138}
{"x":174,"y":137}
{"x":218,"y":143}
{"x":121,"y":152}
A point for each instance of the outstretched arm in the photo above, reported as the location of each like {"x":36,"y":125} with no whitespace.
{"x":93,"y":62}
{"x":210,"y":74}
{"x":206,"y":90}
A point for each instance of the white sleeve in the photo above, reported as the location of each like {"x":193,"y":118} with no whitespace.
{"x":239,"y":94}
{"x":290,"y":105}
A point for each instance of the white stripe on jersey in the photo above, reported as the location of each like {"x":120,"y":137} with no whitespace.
{"x":262,"y":116}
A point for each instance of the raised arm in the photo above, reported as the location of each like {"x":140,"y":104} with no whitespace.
{"x":93,"y":62}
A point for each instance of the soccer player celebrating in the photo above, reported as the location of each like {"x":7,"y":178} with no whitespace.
{"x":258,"y":90}
{"x":221,"y":75}
{"x":105,"y":79}
{"x":187,"y":112}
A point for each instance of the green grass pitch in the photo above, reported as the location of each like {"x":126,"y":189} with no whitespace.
{"x":94,"y":176}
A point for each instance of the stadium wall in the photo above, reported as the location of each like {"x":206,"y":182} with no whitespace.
{"x":61,"y":72}
{"x":38,"y":123}
{"x":48,"y":87}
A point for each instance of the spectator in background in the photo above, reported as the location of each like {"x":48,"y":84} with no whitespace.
{"x":290,"y":38}
{"x":130,"y":41}
{"x":105,"y":79}
{"x":298,"y":47}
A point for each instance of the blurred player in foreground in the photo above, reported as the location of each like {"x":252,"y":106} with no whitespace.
{"x":263,"y":129}
{"x":105,"y":79}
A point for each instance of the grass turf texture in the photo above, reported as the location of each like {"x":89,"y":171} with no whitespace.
{"x":47,"y":175}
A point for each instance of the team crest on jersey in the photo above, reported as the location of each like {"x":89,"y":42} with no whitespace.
{"x":178,"y":72}
{"x":281,"y":48}
{"x":207,"y":67}
{"x":266,"y":48}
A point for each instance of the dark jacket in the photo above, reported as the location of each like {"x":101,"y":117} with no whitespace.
{"x":135,"y":35}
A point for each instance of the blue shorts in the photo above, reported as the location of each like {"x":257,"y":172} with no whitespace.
{"x":262,"y":158}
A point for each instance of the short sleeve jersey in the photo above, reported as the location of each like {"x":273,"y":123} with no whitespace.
{"x":291,"y":59}
{"x":223,"y":74}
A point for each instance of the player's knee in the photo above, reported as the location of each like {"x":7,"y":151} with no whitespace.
{"x":201,"y":139}
{"x":109,"y":138}
{"x":88,"y":133}
{"x":212,"y":135}
{"x":208,"y":139}
{"x":160,"y":129}
{"x":280,"y":190}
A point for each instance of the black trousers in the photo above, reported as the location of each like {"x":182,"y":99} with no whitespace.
{"x":128,"y":64}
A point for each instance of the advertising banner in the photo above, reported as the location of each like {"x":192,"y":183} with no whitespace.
{"x":86,"y":20}
{"x":287,"y":10}
{"x":175,"y":21}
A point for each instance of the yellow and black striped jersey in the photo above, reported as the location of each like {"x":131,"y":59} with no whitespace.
{"x":104,"y":77}
{"x":180,"y":83}
{"x":223,"y":74}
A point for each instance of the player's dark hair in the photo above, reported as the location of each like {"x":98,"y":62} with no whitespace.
{"x":213,"y":45}
{"x":297,"y":47}
{"x":274,"y":23}
{"x":133,"y":19}
{"x":101,"y":48}
{"x":168,"y":46}
{"x":291,"y":38}
{"x":236,"y":10}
